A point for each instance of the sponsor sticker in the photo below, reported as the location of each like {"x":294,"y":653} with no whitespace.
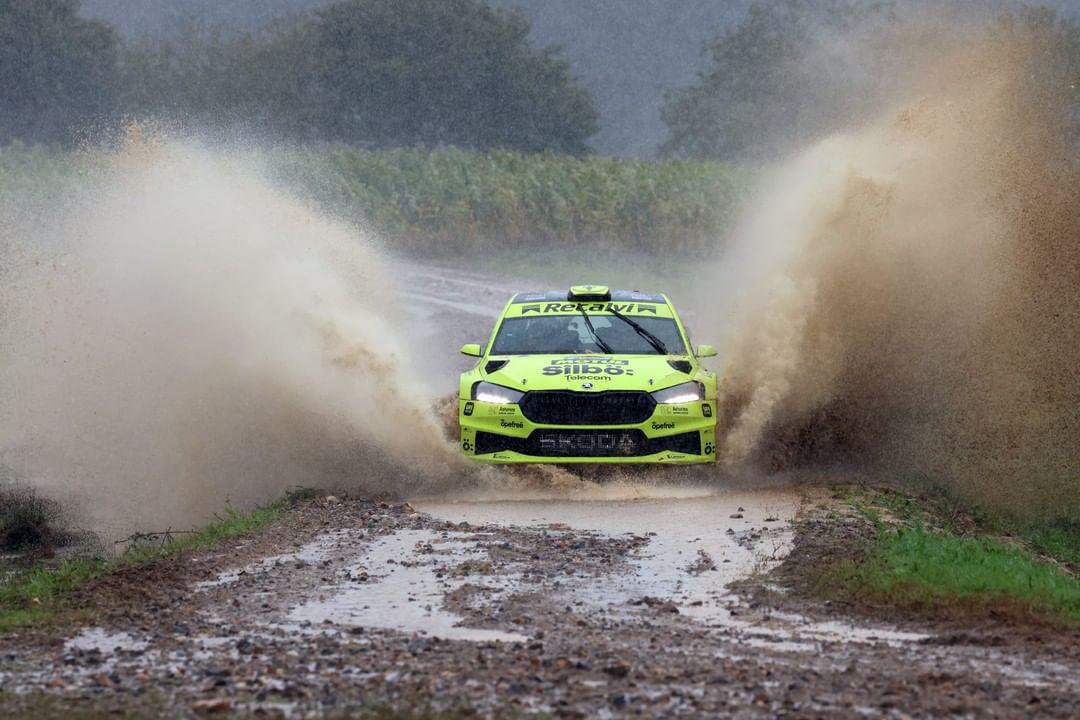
{"x":566,"y":307}
{"x":588,"y":367}
{"x":469,"y":407}
{"x":512,"y":424}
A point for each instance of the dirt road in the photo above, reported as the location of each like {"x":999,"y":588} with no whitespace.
{"x":654,"y":596}
{"x":572,"y":606}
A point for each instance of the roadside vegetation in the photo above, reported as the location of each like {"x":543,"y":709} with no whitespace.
{"x":929,"y":554}
{"x":29,"y":523}
{"x":374,"y":73}
{"x":34,"y":588}
{"x":451,"y":202}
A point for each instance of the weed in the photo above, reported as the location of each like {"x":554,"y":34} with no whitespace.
{"x":935,"y":556}
{"x":32,"y":596}
{"x":29,"y":523}
{"x":301,"y":493}
{"x":911,"y":566}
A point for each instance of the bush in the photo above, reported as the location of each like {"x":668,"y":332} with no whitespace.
{"x":29,"y":522}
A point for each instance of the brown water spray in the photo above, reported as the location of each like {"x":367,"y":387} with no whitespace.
{"x":181,"y":335}
{"x":906,"y":296}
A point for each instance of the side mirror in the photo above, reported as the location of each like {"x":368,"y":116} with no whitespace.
{"x":706,"y":351}
{"x":472,"y":349}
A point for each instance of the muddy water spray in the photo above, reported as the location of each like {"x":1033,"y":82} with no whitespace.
{"x":183,"y":335}
{"x":906,"y":295}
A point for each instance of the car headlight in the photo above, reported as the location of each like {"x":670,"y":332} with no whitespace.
{"x":687,"y":392}
{"x":489,"y":393}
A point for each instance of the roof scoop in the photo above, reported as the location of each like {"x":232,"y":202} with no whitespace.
{"x":589,"y":293}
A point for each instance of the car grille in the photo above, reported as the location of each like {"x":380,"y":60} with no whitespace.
{"x":565,"y":407}
{"x":588,"y":443}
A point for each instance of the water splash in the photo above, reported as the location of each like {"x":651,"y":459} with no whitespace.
{"x":180,"y":334}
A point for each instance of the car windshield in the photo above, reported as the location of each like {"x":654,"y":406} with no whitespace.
{"x":569,"y":334}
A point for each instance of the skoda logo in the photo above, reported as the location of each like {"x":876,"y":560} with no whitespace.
{"x":586,"y":385}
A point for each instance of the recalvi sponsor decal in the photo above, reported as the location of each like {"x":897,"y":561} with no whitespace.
{"x":556,"y":307}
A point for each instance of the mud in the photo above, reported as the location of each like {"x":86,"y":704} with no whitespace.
{"x":568,"y":608}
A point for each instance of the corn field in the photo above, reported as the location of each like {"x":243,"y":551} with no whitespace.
{"x":452,"y":201}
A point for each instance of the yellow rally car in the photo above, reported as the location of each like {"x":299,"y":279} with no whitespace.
{"x":590,"y":376}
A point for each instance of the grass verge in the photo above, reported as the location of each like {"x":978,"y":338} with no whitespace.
{"x":920,"y":559}
{"x":33,"y":596}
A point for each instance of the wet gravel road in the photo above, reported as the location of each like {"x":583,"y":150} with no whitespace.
{"x":562,"y":607}
{"x":628,"y":598}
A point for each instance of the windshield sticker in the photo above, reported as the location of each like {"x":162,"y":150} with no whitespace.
{"x":595,"y":307}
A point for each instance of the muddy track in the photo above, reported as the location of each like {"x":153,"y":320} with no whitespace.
{"x":590,"y":600}
{"x":349,"y":605}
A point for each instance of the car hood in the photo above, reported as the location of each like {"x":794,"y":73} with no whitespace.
{"x":594,"y":373}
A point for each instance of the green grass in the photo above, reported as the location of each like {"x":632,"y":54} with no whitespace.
{"x":920,"y":557}
{"x":917,"y":566}
{"x":33,"y":596}
{"x":1059,"y":538}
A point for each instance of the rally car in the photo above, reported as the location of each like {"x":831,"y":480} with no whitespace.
{"x":592,"y":375}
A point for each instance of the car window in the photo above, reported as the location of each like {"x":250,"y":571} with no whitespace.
{"x":567,"y":334}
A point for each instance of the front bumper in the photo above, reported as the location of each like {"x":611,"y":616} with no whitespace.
{"x":677,"y":434}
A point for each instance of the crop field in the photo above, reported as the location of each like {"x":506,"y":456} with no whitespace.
{"x":446,"y":202}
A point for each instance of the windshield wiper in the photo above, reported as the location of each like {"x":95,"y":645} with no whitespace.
{"x":588,"y":323}
{"x":649,"y":337}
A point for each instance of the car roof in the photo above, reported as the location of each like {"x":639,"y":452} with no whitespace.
{"x":616,"y":296}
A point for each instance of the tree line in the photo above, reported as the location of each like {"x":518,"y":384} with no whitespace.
{"x":793,"y":70}
{"x":435,"y":73}
{"x":370,"y":73}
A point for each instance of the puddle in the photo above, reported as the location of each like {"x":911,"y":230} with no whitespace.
{"x":691,"y":555}
{"x":403,"y":589}
{"x":315,"y":551}
{"x":699,"y":542}
{"x":105,"y":642}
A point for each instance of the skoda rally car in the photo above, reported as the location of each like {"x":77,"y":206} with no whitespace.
{"x":593,"y":375}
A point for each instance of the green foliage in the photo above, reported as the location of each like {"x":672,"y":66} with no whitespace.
{"x":454,"y":201}
{"x":57,"y":70}
{"x":1059,"y":538}
{"x":33,"y":595}
{"x":939,"y":551}
{"x":916,"y":566}
{"x":450,"y":201}
{"x":1055,"y":535}
{"x":793,"y":70}
{"x":777,"y":77}
{"x":374,"y":73}
{"x":27,"y":522}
